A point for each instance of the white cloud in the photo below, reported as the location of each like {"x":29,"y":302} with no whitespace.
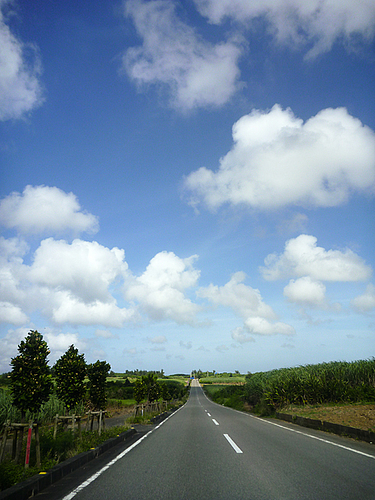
{"x":10,"y":313}
{"x":240,"y":336}
{"x":261,"y":326}
{"x":43,"y":209}
{"x":160,"y":289}
{"x":296,"y":22}
{"x":67,"y":283}
{"x":302,"y":257}
{"x":66,"y":308}
{"x":9,"y":347}
{"x":11,"y":273}
{"x":59,"y":343}
{"x":242,"y":299}
{"x":248,"y":303}
{"x":85,"y":269}
{"x":277,"y":160}
{"x":20,"y":69}
{"x":366,"y":302}
{"x":196,"y":72}
{"x":306,"y":291}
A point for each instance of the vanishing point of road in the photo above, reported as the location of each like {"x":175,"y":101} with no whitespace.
{"x":205,"y":451}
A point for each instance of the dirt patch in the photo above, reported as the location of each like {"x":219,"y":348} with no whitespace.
{"x":359,"y":416}
{"x":118,"y":417}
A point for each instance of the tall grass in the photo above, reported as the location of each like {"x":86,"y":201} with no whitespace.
{"x":7,"y":410}
{"x":313,"y":384}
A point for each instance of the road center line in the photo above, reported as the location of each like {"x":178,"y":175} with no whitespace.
{"x":215,"y":421}
{"x":209,"y":414}
{"x":236,"y":448}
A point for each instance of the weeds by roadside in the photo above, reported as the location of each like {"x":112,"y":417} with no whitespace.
{"x":53,"y":452}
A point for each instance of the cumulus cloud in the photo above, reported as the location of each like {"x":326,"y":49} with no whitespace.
{"x":196,"y":72}
{"x":262,"y":326}
{"x":302,"y":257}
{"x":59,"y":343}
{"x":41,"y":209}
{"x":244,"y":300}
{"x":277,"y":161}
{"x":66,"y":308}
{"x":20,"y":70}
{"x":319,"y":23}
{"x":247,"y":303}
{"x":160,"y":289}
{"x":9,"y":347}
{"x":12,"y":293}
{"x":306,"y":291}
{"x":239,"y":335}
{"x":10,"y":313}
{"x":366,"y":302}
{"x":85,"y":269}
{"x":68,"y":283}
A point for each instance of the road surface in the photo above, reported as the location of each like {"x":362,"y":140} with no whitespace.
{"x":206,"y":451}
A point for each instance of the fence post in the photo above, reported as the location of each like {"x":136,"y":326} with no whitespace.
{"x":19,"y":446}
{"x":4,"y":442}
{"x":55,"y":426}
{"x":100,"y":421}
{"x":28,"y":445}
{"x":37,"y":445}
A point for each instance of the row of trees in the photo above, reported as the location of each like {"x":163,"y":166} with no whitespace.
{"x":31,"y":381}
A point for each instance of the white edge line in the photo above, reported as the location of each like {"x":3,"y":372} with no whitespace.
{"x":296,"y":431}
{"x":317,"y":438}
{"x":236,"y":448}
{"x":88,"y":481}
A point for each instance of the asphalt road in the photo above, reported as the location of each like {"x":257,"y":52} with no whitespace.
{"x":206,"y":451}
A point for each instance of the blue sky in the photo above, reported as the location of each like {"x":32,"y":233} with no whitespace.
{"x":188,"y":184}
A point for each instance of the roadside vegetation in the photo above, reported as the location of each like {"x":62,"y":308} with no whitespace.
{"x":325,"y":383}
{"x":35,"y":392}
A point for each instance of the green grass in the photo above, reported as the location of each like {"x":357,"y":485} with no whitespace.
{"x":236,"y":379}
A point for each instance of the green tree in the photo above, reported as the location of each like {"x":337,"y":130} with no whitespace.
{"x":139,"y":390}
{"x":30,"y":378}
{"x":97,"y":374}
{"x":70,"y":372}
{"x":147,"y":387}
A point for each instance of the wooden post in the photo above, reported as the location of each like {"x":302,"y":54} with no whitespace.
{"x":28,"y":445}
{"x":100,"y":421}
{"x":55,"y":426}
{"x":37,"y":446}
{"x":4,"y":442}
{"x":73,"y":423}
{"x":14,"y":444}
{"x":19,"y":446}
{"x":79,"y":428}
